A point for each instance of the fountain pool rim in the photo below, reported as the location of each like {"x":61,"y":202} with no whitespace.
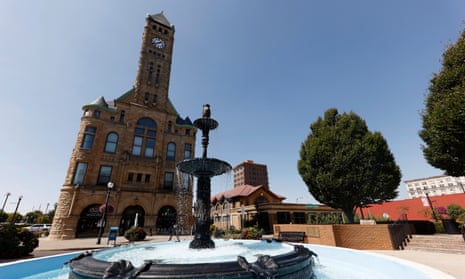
{"x":49,"y":263}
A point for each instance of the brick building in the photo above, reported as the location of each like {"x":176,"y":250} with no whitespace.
{"x":250,"y":173}
{"x":251,"y":202}
{"x":134,"y":142}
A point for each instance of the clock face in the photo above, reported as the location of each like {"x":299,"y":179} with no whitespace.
{"x":158,"y":43}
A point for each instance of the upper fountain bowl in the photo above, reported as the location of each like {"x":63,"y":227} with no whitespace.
{"x":204,"y":167}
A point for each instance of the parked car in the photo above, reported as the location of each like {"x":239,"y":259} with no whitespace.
{"x":39,"y":227}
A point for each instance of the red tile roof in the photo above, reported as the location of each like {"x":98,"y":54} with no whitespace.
{"x":242,"y":191}
{"x":414,"y":208}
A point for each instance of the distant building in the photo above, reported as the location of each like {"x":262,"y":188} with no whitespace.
{"x":250,"y":173}
{"x":251,"y":202}
{"x":133,"y":141}
{"x":246,"y":205}
{"x":435,"y":186}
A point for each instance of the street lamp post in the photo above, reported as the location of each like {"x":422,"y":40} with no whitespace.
{"x":110,"y":186}
{"x":431,"y":206}
{"x":13,"y":220}
{"x":4,"y":203}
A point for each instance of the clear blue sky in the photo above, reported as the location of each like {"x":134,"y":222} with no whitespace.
{"x":268,"y":68}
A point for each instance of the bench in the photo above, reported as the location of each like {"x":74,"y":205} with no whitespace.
{"x":291,"y":236}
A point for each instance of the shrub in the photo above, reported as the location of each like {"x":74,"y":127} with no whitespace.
{"x":135,"y":234}
{"x":251,"y":233}
{"x":16,"y":242}
{"x":455,"y":211}
{"x":438,"y":227}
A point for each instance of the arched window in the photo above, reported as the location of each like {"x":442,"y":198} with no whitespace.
{"x":111,"y":143}
{"x":171,"y":151}
{"x":144,"y":138}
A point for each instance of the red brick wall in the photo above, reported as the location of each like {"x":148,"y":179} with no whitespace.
{"x":355,"y":236}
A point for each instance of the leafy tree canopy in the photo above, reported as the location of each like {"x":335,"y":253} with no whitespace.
{"x":444,"y":115}
{"x":345,"y":166}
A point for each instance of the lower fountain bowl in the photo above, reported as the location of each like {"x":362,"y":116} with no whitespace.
{"x":297,"y":263}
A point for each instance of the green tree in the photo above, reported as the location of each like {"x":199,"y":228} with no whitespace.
{"x":33,"y":217}
{"x":455,"y":211}
{"x":345,"y":166}
{"x":444,"y":115}
{"x":3,"y":216}
{"x":18,"y":218}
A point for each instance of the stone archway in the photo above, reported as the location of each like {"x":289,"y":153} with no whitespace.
{"x":129,"y":216}
{"x":166,"y":219}
{"x":87,"y":225}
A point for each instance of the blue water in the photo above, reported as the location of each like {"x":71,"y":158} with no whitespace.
{"x":332,"y":263}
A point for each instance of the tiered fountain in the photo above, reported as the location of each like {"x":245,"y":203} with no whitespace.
{"x":199,"y":259}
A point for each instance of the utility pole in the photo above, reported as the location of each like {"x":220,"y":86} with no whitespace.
{"x":13,"y":220}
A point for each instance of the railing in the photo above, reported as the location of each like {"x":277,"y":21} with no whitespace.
{"x":400,"y":232}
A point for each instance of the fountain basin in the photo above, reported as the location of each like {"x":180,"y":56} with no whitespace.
{"x":207,"y":167}
{"x":333,"y":263}
{"x":234,"y":259}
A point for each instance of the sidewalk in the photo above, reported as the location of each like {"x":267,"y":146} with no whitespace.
{"x":449,"y":263}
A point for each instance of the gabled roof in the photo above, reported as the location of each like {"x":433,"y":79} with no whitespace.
{"x":160,"y":18}
{"x":242,"y":191}
{"x":181,"y":122}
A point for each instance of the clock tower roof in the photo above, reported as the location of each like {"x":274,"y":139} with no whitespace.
{"x":160,"y":18}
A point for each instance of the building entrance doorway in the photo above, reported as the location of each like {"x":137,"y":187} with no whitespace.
{"x":132,"y":216}
{"x":87,"y":225}
{"x":166,"y":219}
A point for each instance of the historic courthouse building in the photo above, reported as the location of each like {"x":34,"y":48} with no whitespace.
{"x":134,"y":142}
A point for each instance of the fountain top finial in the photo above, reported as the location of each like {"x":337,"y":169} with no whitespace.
{"x":206,"y":111}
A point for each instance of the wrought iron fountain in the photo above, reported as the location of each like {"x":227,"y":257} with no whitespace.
{"x":204,"y":169}
{"x":295,"y":262}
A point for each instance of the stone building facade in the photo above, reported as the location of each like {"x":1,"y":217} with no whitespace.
{"x":134,"y":142}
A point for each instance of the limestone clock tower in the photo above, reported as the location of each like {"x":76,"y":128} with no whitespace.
{"x":153,"y":75}
{"x":133,"y":143}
